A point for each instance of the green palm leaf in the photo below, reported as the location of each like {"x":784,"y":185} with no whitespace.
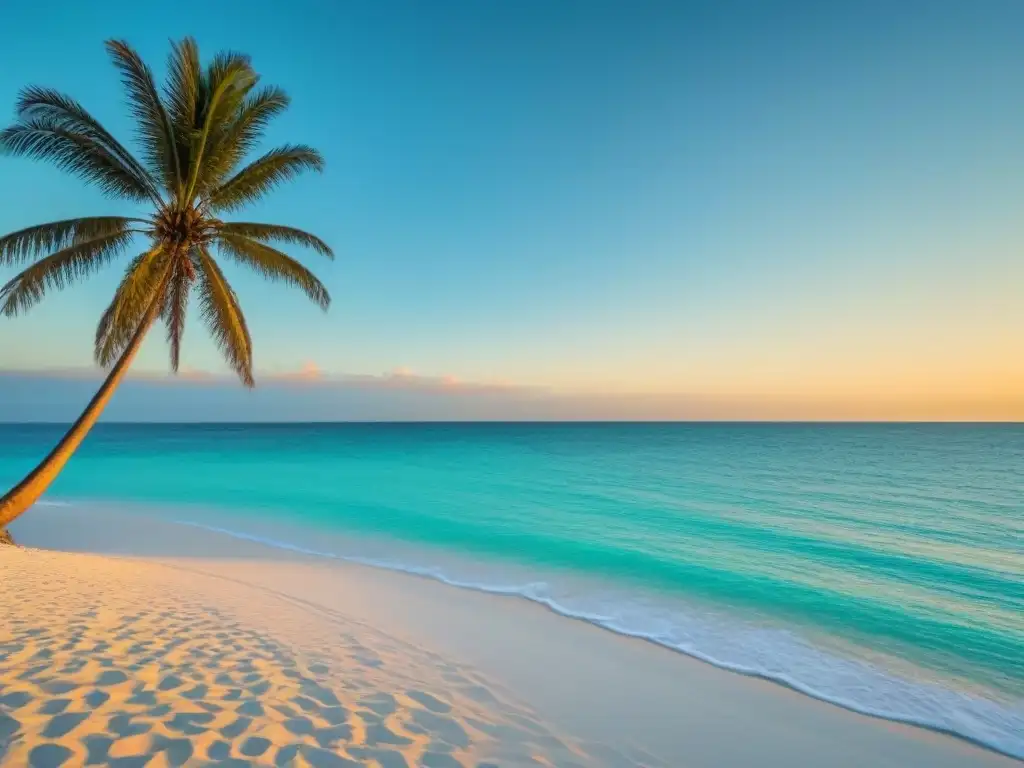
{"x":242,"y":135}
{"x":263,"y":174}
{"x":26,"y":244}
{"x":223,"y":316}
{"x":176,"y":305}
{"x":152,"y":121}
{"x":60,"y":110}
{"x":278,"y":233}
{"x":229,"y":78}
{"x":134,"y":295}
{"x":58,"y":269}
{"x":183,"y":93}
{"x":45,"y":138}
{"x":274,"y":265}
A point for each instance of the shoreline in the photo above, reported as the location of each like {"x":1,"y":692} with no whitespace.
{"x":594,"y":621}
{"x":516,"y":642}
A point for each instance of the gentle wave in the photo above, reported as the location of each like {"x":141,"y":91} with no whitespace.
{"x":773,"y":654}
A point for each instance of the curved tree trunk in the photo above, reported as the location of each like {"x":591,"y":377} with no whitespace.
{"x":24,"y":494}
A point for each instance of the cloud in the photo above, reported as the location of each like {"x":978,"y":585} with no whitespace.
{"x":308,"y":375}
{"x":405,"y":379}
{"x":306,"y":394}
{"x":311,"y":394}
{"x":191,"y":374}
{"x":309,"y":371}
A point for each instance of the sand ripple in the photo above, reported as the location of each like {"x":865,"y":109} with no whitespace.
{"x":121,"y":662}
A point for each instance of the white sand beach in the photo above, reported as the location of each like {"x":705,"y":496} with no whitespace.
{"x":130,"y":641}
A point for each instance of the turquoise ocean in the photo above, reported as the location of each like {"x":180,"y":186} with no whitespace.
{"x":878,"y":567}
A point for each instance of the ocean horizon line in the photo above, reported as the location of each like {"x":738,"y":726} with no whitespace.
{"x":582,"y":422}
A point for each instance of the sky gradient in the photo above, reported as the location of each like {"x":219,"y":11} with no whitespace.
{"x":598,"y":209}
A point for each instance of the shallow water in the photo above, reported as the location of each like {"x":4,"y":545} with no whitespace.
{"x":877,"y":566}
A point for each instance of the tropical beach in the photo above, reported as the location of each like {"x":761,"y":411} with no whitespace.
{"x":471,"y":385}
{"x":184,"y":647}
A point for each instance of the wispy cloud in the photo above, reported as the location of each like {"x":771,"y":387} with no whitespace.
{"x":309,"y":372}
{"x":308,"y":375}
{"x":406,"y":379}
{"x":309,"y":393}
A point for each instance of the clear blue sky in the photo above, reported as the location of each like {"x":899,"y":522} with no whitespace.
{"x":749,"y":200}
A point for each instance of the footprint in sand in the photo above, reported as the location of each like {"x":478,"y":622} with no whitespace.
{"x":150,"y":672}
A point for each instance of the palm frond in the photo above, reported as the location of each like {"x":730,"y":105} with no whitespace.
{"x":153,"y":124}
{"x":242,"y":135}
{"x":175,"y":305}
{"x":263,"y":174}
{"x":45,"y":138}
{"x":58,"y":269}
{"x":135,"y":294}
{"x":277,"y":233}
{"x":31,"y":242}
{"x":228,"y":80}
{"x":274,"y":265}
{"x":63,"y":111}
{"x":183,"y":93}
{"x":223,"y":316}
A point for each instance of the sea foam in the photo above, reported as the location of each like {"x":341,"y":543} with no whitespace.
{"x":772,"y":653}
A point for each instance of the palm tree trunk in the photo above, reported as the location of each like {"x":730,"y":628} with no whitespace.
{"x":24,"y":494}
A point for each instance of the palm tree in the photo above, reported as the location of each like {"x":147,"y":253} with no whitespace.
{"x":195,"y":136}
